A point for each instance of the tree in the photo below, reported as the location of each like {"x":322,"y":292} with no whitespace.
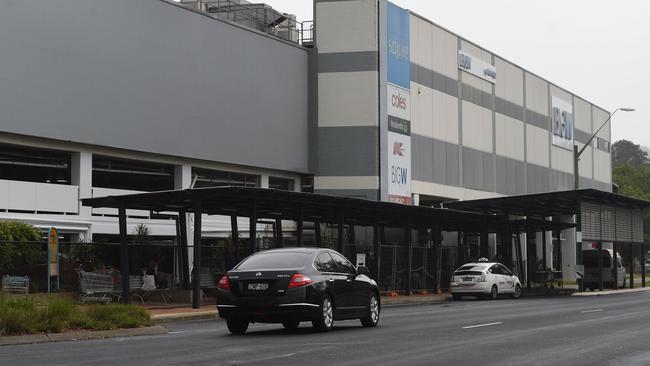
{"x":20,"y":246}
{"x":627,"y":152}
{"x":634,"y":181}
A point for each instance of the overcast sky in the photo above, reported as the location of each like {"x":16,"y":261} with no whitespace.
{"x":596,"y":49}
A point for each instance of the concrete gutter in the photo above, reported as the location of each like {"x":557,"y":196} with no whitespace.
{"x":166,"y":318}
{"x":612,"y":292}
{"x":77,"y":336}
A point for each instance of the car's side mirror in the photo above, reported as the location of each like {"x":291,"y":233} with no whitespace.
{"x":363,"y":271}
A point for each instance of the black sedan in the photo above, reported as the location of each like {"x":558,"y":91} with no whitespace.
{"x":292,"y":285}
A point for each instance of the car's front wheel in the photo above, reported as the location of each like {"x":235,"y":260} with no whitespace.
{"x":517,"y":293}
{"x":237,"y":326}
{"x":326,"y":317}
{"x":373,"y":312}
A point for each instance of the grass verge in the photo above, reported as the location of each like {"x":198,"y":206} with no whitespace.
{"x":58,"y":314}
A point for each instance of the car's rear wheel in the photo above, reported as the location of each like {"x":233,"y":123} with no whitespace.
{"x":291,"y":324}
{"x":237,"y":326}
{"x":494,"y":293}
{"x":326,"y":317}
{"x":373,"y":312}
{"x":517,"y":293}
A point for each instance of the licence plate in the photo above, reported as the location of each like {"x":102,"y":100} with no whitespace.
{"x":258,"y":286}
{"x":467,"y":279}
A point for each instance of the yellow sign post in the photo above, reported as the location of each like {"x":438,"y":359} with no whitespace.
{"x":52,"y":257}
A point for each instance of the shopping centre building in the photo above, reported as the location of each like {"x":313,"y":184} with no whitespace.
{"x":369,"y":101}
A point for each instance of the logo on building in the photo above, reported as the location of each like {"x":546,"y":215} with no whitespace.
{"x":398,"y":148}
{"x":476,"y":66}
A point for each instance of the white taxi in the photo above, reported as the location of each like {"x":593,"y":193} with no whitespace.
{"x":484,"y":279}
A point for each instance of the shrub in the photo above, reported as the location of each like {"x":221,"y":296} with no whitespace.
{"x":18,"y":255}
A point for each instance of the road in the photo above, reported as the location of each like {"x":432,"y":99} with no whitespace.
{"x":604,"y":330}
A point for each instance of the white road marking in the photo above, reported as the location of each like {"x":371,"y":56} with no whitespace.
{"x":591,"y":311}
{"x":482,"y":325}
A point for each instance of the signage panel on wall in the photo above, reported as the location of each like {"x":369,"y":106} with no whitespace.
{"x":477,"y":67}
{"x":398,"y":68}
{"x":562,"y":123}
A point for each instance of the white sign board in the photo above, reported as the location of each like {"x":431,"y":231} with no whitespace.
{"x":399,"y":102}
{"x":580,"y":271}
{"x":399,"y":161}
{"x":477,"y":67}
{"x":562,"y":123}
{"x":361,"y":260}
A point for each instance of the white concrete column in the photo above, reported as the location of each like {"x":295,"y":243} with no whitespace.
{"x":264,"y":181}
{"x":82,"y":176}
{"x":183,"y":180}
{"x":568,"y":247}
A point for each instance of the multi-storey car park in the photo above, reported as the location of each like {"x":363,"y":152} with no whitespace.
{"x":368,"y":101}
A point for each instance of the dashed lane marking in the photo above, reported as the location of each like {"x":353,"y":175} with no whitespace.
{"x":482,"y":325}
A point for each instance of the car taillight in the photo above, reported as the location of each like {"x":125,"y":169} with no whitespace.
{"x":483,"y":278}
{"x":224,"y":283}
{"x":299,"y":280}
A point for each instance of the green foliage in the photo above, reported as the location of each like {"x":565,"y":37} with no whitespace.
{"x":86,"y":254}
{"x":18,"y":316}
{"x":58,"y":313}
{"x":103,"y":317}
{"x":625,"y":152}
{"x":142,"y":234}
{"x":634,"y":181}
{"x":14,"y":256}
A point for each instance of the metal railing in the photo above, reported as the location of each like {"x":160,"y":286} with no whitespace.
{"x":258,"y":16}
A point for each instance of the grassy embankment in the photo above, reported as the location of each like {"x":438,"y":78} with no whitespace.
{"x":56,"y":314}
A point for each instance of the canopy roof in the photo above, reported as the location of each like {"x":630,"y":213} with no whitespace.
{"x":272,"y":203}
{"x":547,"y":204}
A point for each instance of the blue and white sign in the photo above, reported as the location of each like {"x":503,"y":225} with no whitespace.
{"x":398,"y":91}
{"x":562,"y":123}
{"x":399,"y":60}
{"x":477,"y":67}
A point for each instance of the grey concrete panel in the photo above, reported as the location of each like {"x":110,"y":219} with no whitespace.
{"x":607,"y":187}
{"x":434,"y":161}
{"x":586,"y":182}
{"x":581,"y":136}
{"x":151,"y":76}
{"x":561,"y":181}
{"x":434,"y":80}
{"x":510,"y":175}
{"x":422,"y":161}
{"x":452,"y":165}
{"x":348,"y":61}
{"x":313,"y":111}
{"x":477,"y":96}
{"x":348,"y":151}
{"x":368,"y":194}
{"x":537,"y":178}
{"x":538,"y":119}
{"x":509,"y":109}
{"x":478,"y":169}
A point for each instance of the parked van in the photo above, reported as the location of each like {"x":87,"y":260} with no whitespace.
{"x":590,"y":261}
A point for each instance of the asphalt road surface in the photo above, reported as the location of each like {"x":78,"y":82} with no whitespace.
{"x":604,"y":330}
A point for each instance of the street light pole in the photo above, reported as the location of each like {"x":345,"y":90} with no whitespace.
{"x":577,"y":153}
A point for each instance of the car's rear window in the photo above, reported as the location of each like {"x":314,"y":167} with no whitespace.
{"x":274,"y":261}
{"x":470,"y":269}
{"x":590,"y":259}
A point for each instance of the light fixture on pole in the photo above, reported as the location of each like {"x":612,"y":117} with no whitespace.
{"x":577,"y":153}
